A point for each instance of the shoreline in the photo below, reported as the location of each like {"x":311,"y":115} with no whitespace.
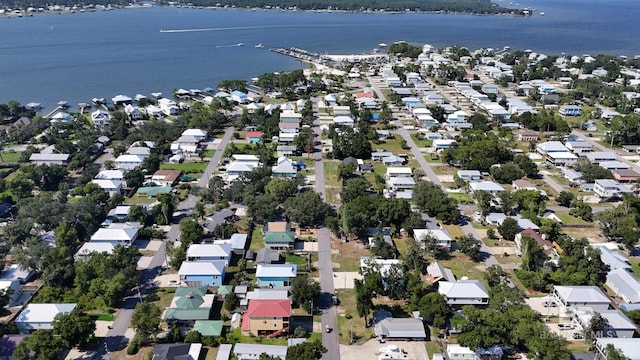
{"x":31,"y":12}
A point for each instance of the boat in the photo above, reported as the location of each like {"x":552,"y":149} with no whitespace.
{"x":382,"y":45}
{"x":541,"y":13}
{"x":240,"y":44}
{"x":98,"y":101}
{"x":259,"y":46}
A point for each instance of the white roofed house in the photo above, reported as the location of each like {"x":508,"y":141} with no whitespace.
{"x":110,"y":175}
{"x":209,"y":252}
{"x":401,"y":328}
{"x":613,"y":259}
{"x":401,"y":183}
{"x":488,"y":186}
{"x":49,"y":159}
{"x":188,"y":144}
{"x":199,"y":134}
{"x":609,"y":189}
{"x":442,"y":237}
{"x":624,"y":285}
{"x":120,"y":235}
{"x":340,"y":121}
{"x":128,"y":161}
{"x":168,"y":107}
{"x":284,"y":168}
{"x":618,"y":324}
{"x":133,"y":112}
{"x":89,"y":248}
{"x":628,"y":348}
{"x":464,"y":292}
{"x":109,"y":186}
{"x":397,"y":172}
{"x":100,"y":118}
{"x":40,"y":316}
{"x":14,"y":287}
{"x":590,"y":296}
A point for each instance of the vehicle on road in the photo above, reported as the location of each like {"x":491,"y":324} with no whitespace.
{"x":549,"y":304}
{"x":577,"y":336}
{"x":566,"y":326}
{"x":327,"y":328}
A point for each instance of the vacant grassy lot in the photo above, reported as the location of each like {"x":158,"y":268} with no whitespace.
{"x":348,"y":306}
{"x":568,"y":219}
{"x":349,"y":255}
{"x":257,"y":240}
{"x":9,"y":157}
{"x":392,"y":145}
{"x":461,"y":265}
{"x":454,"y":230}
{"x":193,"y":167}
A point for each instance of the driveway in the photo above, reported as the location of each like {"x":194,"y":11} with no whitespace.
{"x":370,"y":350}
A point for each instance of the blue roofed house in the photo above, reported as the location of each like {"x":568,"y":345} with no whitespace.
{"x":239,"y":97}
{"x":275,"y":274}
{"x":202,"y":273}
{"x":469,"y":175}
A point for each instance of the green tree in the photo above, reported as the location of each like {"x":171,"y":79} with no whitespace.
{"x":383,"y":249}
{"x":190,"y":231}
{"x":41,"y":345}
{"x":506,"y":173}
{"x":307,"y":209}
{"x":310,"y":350}
{"x":469,"y":246}
{"x":435,"y":310}
{"x":508,"y":229}
{"x":134,"y":178}
{"x":146,"y":320}
{"x":74,"y":329}
{"x":414,"y":259}
{"x":354,"y":188}
{"x":281,"y":189}
{"x":565,"y":198}
{"x":304,"y":290}
{"x":193,"y":337}
{"x":431,"y":199}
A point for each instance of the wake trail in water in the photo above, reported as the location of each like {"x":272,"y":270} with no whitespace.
{"x":226,"y":28}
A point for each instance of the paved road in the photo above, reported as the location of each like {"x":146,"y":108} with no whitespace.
{"x":600,"y":147}
{"x":329,"y":340}
{"x":115,"y":336}
{"x":552,"y":183}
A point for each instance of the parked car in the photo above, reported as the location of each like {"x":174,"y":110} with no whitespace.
{"x":577,"y":336}
{"x":549,"y":304}
{"x":565,"y":326}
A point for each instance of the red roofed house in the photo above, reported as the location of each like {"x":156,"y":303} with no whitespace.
{"x":266,"y":317}
{"x":364,"y":95}
{"x":254,"y":137}
{"x":547,"y":247}
{"x":528,"y":136}
{"x":625,"y":175}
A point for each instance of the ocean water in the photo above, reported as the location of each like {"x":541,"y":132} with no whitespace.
{"x":75,"y":57}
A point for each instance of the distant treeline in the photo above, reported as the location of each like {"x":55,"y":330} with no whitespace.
{"x":457,"y":6}
{"x":24,"y":4}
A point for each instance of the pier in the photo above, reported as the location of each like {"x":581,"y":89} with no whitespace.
{"x":311,"y":57}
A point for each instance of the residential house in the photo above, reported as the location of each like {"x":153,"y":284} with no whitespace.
{"x":561,"y":158}
{"x":40,"y":316}
{"x":166,"y":177}
{"x":288,"y":131}
{"x":87,"y":250}
{"x":437,"y":272}
{"x":16,"y":291}
{"x":117,"y":234}
{"x":624,"y":285}
{"x":17,"y":272}
{"x":186,"y":144}
{"x":582,"y":296}
{"x":49,"y":159}
{"x":458,"y":352}
{"x":377,"y":156}
{"x":401,"y":184}
{"x":208,"y":327}
{"x":189,"y":304}
{"x":168,"y":107}
{"x":266,"y":317}
{"x":254,"y":351}
{"x":110,"y":175}
{"x":340,"y":121}
{"x":398,"y":172}
{"x":579,"y":147}
{"x":275,"y":274}
{"x":100,"y":118}
{"x":618,"y":324}
{"x":199,"y":134}
{"x":608,"y":189}
{"x":522,"y":184}
{"x":133,"y":112}
{"x":254,"y":137}
{"x":284,"y":168}
{"x":596,"y":157}
{"x":469,"y":175}
{"x":238,"y":243}
{"x":626,"y":176}
{"x":286,"y":150}
{"x":239,"y":97}
{"x":177,"y":351}
{"x":491,"y":187}
{"x":548,"y":147}
{"x":613,"y":259}
{"x":546,"y":245}
{"x":442,"y":237}
{"x":572,"y":176}
{"x":268,"y":294}
{"x":527,"y":136}
{"x":279,"y":240}
{"x":268,"y":256}
{"x":290,"y":117}
{"x":210,"y":252}
{"x":570,"y":110}
{"x":401,"y":329}
{"x":382,"y":266}
{"x":441,"y":144}
{"x":61,"y":116}
{"x":128,"y":161}
{"x":613,"y":165}
{"x":393,"y":160}
{"x":457,"y":117}
{"x":628,"y":348}
{"x":111,"y":187}
{"x":203,"y":273}
{"x":464,"y":292}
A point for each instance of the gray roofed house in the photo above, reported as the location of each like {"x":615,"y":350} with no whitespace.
{"x":488,"y":186}
{"x":582,"y":296}
{"x":619,"y":325}
{"x":219,"y":217}
{"x":401,"y":328}
{"x":392,"y":160}
{"x":275,"y":293}
{"x":378,"y":155}
{"x":224,"y":352}
{"x":350,"y":160}
{"x":613,"y":259}
{"x":268,"y":256}
{"x":177,"y":351}
{"x":464,"y":292}
{"x":253,"y":351}
{"x":624,"y":285}
{"x":8,"y":344}
{"x":629,"y":348}
{"x":437,"y":272}
{"x":49,"y":159}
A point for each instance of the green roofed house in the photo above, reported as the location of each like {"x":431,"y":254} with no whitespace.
{"x":189,"y":304}
{"x":278,"y":235}
{"x":223,"y":290}
{"x":208,"y":327}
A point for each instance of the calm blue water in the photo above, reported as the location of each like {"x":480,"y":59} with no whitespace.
{"x":76,"y":57}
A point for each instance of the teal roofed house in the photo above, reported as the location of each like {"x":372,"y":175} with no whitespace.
{"x":279,"y":240}
{"x":208,"y":327}
{"x":189,"y":304}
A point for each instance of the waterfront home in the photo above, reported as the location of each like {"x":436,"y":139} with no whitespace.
{"x":153,"y":111}
{"x":189,"y":304}
{"x":239,"y":97}
{"x":168,"y":107}
{"x":40,"y":316}
{"x":203,"y":273}
{"x":49,"y":159}
{"x":61,"y":116}
{"x":266,"y":317}
{"x":582,"y":296}
{"x":133,"y":112}
{"x":128,"y":161}
{"x":400,"y":329}
{"x":442,"y":237}
{"x":210,"y":252}
{"x":270,"y":275}
{"x":100,"y":118}
{"x":87,"y":250}
{"x":254,"y":137}
{"x":437,"y":272}
{"x":624,"y":285}
{"x":254,"y":351}
{"x":464,"y":292}
{"x":120,"y":100}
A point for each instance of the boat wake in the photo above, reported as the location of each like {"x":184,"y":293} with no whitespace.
{"x":225,"y":28}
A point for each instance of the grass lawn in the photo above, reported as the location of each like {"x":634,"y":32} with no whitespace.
{"x":401,"y":245}
{"x":461,"y":265}
{"x":348,"y":306}
{"x":295,"y":259}
{"x":568,"y":219}
{"x":454,"y":230}
{"x":9,"y":157}
{"x":331,"y":180}
{"x":444,"y":170}
{"x":143,"y":354}
{"x":432,"y":348}
{"x":237,"y":334}
{"x":461,"y":198}
{"x":139,"y":200}
{"x":433,"y":158}
{"x":192,"y":167}
{"x":257,"y":241}
{"x":209,"y":153}
{"x":162,"y":297}
{"x":635,"y":265}
{"x":102,"y":317}
{"x":392,"y":145}
{"x":349,"y":256}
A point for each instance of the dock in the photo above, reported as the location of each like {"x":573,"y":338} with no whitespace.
{"x":335,"y":60}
